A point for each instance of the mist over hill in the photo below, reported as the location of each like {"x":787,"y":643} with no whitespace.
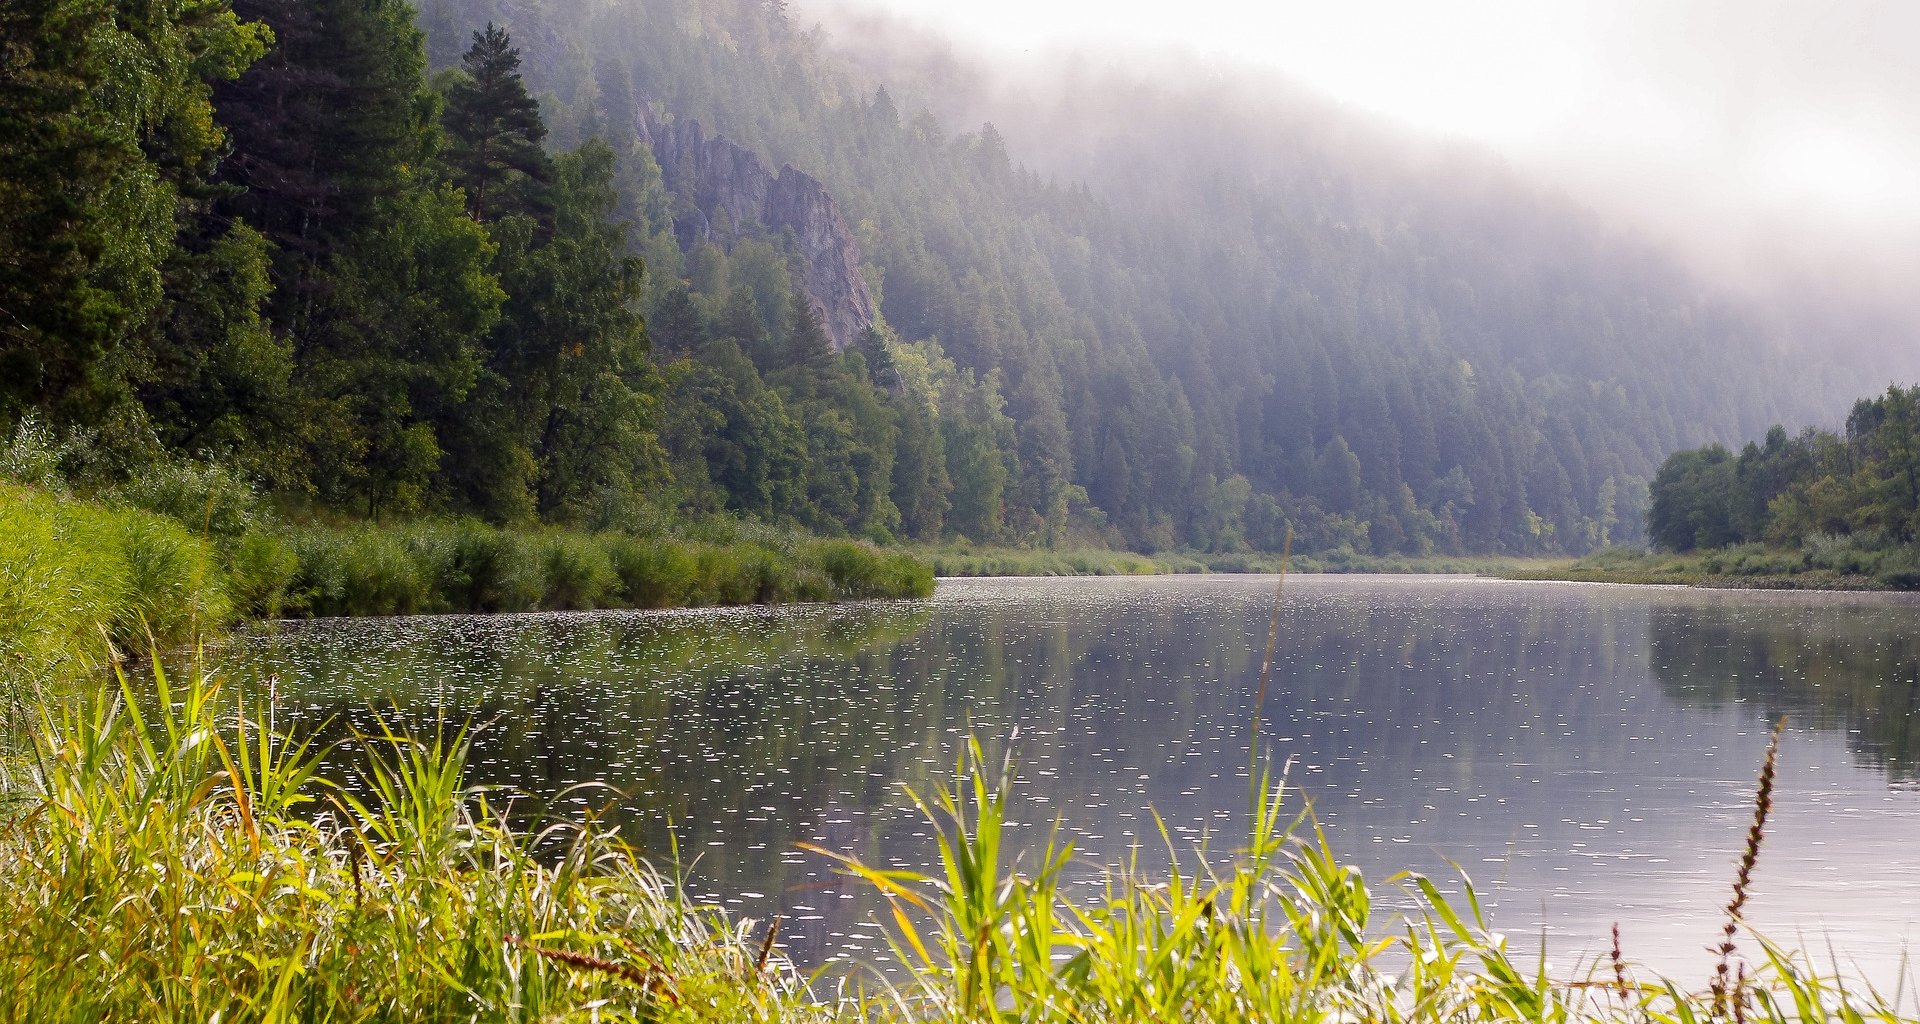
{"x":640,"y":262}
{"x":1196,"y":290}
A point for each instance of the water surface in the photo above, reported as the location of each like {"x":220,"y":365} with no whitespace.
{"x":1586,"y":754}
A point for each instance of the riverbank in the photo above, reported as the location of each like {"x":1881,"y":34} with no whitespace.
{"x":1745,"y":567}
{"x":948,"y":560}
{"x":188,"y":863}
{"x":80,"y":580}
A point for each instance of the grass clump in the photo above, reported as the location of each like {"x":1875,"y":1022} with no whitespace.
{"x":471,"y":567}
{"x":190,"y":864}
{"x":80,"y":580}
{"x":991,"y":561}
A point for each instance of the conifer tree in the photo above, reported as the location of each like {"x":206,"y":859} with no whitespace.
{"x":495,"y":132}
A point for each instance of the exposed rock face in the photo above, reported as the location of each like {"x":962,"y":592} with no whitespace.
{"x":736,"y":197}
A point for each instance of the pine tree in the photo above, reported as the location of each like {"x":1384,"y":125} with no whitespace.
{"x":872,"y":346}
{"x":495,"y":132}
{"x":808,"y":350}
{"x":676,"y":327}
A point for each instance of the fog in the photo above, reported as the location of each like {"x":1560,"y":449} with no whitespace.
{"x":1772,"y":145}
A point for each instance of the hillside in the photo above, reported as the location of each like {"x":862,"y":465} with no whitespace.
{"x":1223,"y":314}
{"x":643,"y":263}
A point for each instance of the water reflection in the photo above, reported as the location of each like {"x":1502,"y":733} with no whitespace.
{"x":1852,"y":668}
{"x":1584,"y":752}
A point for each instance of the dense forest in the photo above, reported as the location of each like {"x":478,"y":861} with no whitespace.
{"x":1860,"y":487}
{"x":529,"y":260}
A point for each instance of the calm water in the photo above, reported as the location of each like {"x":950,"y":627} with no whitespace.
{"x":1586,"y":754}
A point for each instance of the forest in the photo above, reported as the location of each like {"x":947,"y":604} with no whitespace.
{"x":1818,"y":487}
{"x":383,"y":264}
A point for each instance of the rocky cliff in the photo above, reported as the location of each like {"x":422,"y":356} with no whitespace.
{"x":736,"y":197}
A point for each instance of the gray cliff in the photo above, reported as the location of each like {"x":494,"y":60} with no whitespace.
{"x":736,"y":197}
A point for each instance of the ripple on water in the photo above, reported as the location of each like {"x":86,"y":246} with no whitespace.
{"x":1585,"y":753}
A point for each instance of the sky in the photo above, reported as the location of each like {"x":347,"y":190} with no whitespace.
{"x":1754,"y":131}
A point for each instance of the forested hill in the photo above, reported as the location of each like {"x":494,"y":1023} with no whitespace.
{"x":1250,"y":317}
{"x":630,"y":262}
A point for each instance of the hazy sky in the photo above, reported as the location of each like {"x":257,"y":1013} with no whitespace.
{"x":1734,"y":121}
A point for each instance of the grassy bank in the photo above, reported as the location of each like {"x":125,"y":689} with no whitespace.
{"x":195,"y":866}
{"x":470,"y":567}
{"x":1835,"y":564}
{"x":80,"y":579}
{"x":991,"y":561}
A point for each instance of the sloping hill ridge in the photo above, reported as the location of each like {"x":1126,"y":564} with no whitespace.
{"x":1238,"y":314}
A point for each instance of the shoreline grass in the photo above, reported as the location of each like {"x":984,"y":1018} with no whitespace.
{"x":978,"y":561}
{"x":1834,"y":566}
{"x":83,"y":582}
{"x":189,"y":863}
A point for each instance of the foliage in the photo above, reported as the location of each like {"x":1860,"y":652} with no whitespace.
{"x":468,"y":566}
{"x":257,"y":232}
{"x":1202,"y":318}
{"x":107,"y":134}
{"x":239,"y":884}
{"x":1849,"y":504}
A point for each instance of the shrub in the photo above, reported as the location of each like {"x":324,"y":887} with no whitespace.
{"x":473,"y":567}
{"x":360,"y":572}
{"x":173,"y":582}
{"x":207,"y":497}
{"x":860,"y":571}
{"x":32,"y":456}
{"x":261,"y":568}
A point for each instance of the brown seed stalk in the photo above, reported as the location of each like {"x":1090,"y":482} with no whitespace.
{"x":1743,"y":878}
{"x":588,"y":962}
{"x":766,"y":947}
{"x":1620,"y":966}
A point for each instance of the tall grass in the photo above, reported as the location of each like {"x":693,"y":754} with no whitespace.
{"x":187,"y":863}
{"x":169,"y":856}
{"x":950,"y":560}
{"x":472,"y":567}
{"x":1854,"y":562}
{"x":79,"y":580}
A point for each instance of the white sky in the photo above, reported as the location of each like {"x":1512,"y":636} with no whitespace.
{"x":1737,"y":123}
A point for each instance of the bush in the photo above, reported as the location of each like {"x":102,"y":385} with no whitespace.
{"x":173,"y":582}
{"x":33,"y":456}
{"x":862,"y":571}
{"x":476,"y":568}
{"x":261,"y":568}
{"x":208,"y":498}
{"x":358,"y":572}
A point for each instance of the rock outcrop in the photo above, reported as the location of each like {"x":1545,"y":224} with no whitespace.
{"x":736,"y":197}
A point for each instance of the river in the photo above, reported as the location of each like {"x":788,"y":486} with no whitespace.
{"x":1585,"y":753}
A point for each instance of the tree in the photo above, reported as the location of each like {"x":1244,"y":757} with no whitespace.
{"x":1692,"y":500}
{"x":107,"y":134}
{"x":677,"y":328}
{"x":494,"y":131}
{"x":807,"y":352}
